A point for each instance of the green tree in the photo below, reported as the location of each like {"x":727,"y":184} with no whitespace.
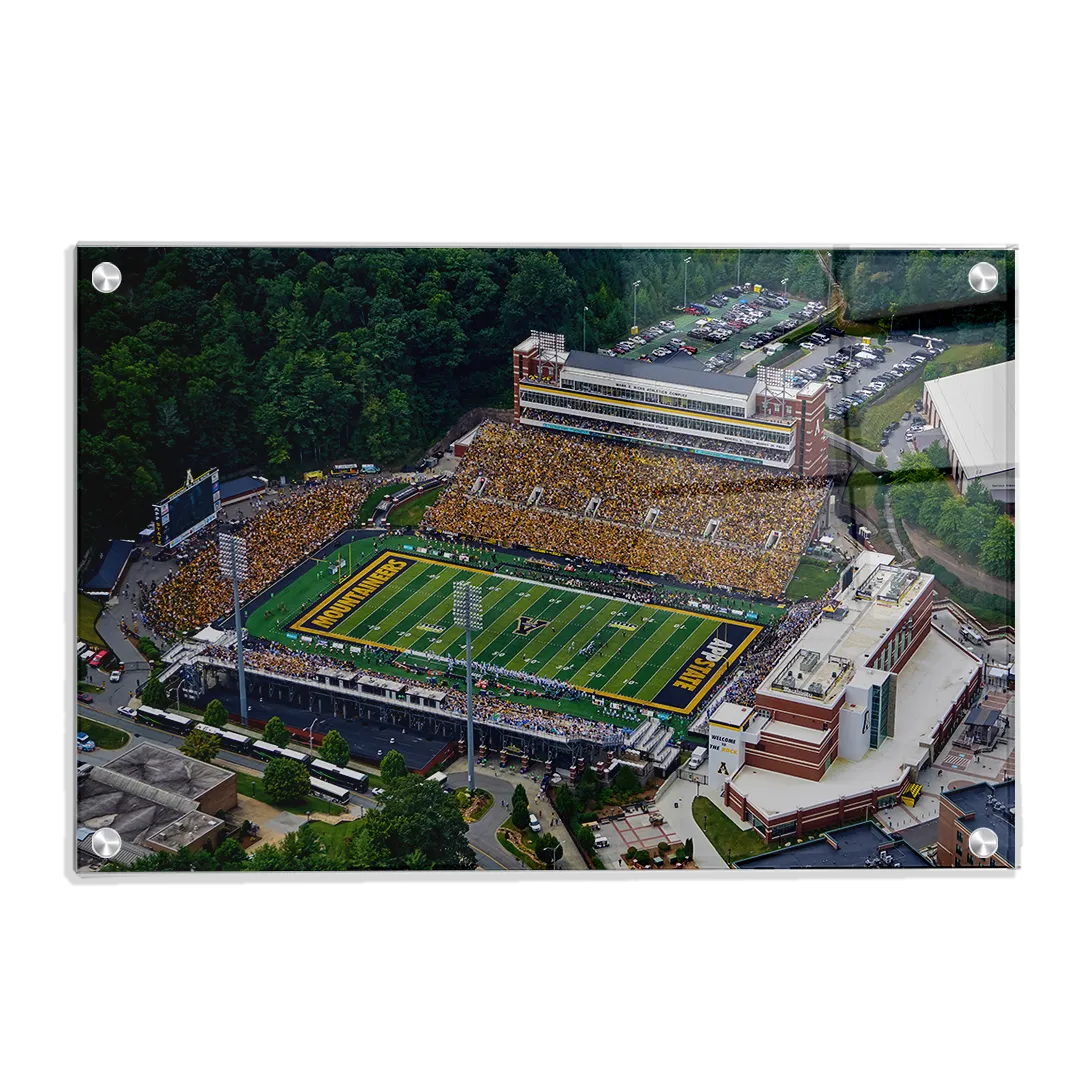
{"x":938,"y":455}
{"x":200,"y":745}
{"x":975,"y":527}
{"x":216,"y":714}
{"x":149,"y":649}
{"x":997,"y":555}
{"x":393,"y":767}
{"x":588,"y":788}
{"x":286,"y":781}
{"x":881,"y":463}
{"x":229,"y":855}
{"x":587,"y":839}
{"x":275,"y":732}
{"x":565,"y":802}
{"x":950,"y":521}
{"x":538,"y":295}
{"x":335,"y":749}
{"x":624,"y":783}
{"x":519,"y":814}
{"x":977,"y":495}
{"x":416,"y":827}
{"x":688,"y":848}
{"x":153,"y":695}
{"x":548,"y":849}
{"x":81,"y":669}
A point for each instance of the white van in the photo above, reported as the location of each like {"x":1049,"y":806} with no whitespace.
{"x":970,"y":636}
{"x":602,"y":841}
{"x":533,"y":823}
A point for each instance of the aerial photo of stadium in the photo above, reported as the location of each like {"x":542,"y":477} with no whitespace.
{"x":643,"y":596}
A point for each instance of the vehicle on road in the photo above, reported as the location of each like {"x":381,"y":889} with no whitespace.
{"x":85,"y":743}
{"x":533,"y":823}
{"x":86,"y":699}
{"x":123,"y":710}
{"x":378,"y":791}
{"x":95,"y":660}
{"x":114,"y":676}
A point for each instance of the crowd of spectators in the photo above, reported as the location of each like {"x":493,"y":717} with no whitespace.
{"x":488,"y":705}
{"x":674,"y":438}
{"x":770,"y":647}
{"x":597,"y":497}
{"x":292,"y":527}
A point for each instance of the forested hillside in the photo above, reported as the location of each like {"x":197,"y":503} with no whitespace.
{"x":282,"y":359}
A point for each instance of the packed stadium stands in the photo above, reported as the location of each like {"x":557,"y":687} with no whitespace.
{"x":703,"y":522}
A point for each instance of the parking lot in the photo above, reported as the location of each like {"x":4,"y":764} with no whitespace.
{"x":722,"y":357}
{"x":859,"y":380}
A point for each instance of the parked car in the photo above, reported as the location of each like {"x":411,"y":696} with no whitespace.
{"x":533,"y":823}
{"x":85,"y":744}
{"x":114,"y":676}
{"x":95,"y":660}
{"x":86,"y":699}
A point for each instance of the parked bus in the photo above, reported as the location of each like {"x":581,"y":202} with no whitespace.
{"x":269,"y":750}
{"x":179,"y":725}
{"x":357,"y":781}
{"x":230,"y":740}
{"x":329,"y":791}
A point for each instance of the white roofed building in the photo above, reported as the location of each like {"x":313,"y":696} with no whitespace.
{"x":973,"y":411}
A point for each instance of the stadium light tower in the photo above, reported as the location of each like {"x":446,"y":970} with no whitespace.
{"x":232,"y":558}
{"x":585,"y":309}
{"x":467,"y":614}
{"x":636,"y":284}
{"x":685,"y":271}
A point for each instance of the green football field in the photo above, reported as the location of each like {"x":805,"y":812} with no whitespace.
{"x":642,"y":653}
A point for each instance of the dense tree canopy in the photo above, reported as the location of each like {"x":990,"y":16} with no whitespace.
{"x":280,"y":359}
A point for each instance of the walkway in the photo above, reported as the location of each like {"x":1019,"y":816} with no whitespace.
{"x":971,"y":576}
{"x":894,"y":533}
{"x":869,"y":456}
{"x":676,"y":804}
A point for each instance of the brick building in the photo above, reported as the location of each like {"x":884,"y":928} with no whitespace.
{"x":842,"y":724}
{"x":758,"y":421}
{"x":977,"y":806}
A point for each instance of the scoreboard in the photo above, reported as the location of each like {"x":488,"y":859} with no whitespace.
{"x":187,"y":510}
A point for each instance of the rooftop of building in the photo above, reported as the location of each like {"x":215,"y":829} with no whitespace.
{"x":183,"y":831}
{"x":853,"y":847}
{"x":991,"y":806}
{"x":934,"y":677}
{"x":643,"y":369}
{"x":821,"y":663}
{"x":168,"y":770}
{"x":975,"y":408}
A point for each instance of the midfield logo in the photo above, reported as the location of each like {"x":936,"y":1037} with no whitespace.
{"x":526,"y":626}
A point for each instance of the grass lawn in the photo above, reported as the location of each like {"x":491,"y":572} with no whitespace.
{"x":812,"y":579}
{"x":252,"y":786}
{"x":376,"y":497}
{"x":873,"y":419}
{"x":861,"y":486}
{"x":410,"y":514}
{"x":108,"y":738}
{"x":334,"y":836}
{"x":88,"y":611}
{"x":730,"y":841}
{"x":90,"y":688}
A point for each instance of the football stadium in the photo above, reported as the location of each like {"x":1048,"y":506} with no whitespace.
{"x":628,"y":584}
